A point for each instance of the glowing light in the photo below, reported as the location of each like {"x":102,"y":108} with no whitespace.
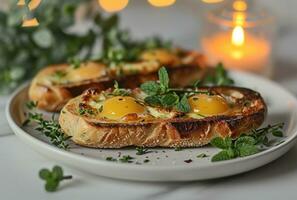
{"x":30,"y":22}
{"x":113,"y":5}
{"x":161,"y":3}
{"x":238,"y":36}
{"x":34,"y":4}
{"x":21,"y":3}
{"x":212,"y":1}
{"x":240,"y":5}
{"x":239,"y":18}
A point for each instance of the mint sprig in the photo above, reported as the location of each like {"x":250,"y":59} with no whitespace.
{"x":160,"y":94}
{"x":246,"y":144}
{"x":52,"y":178}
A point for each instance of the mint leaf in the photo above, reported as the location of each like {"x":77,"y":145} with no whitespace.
{"x":277,"y":133}
{"x":153,"y":100}
{"x":221,"y":143}
{"x":244,"y":140}
{"x":169,"y":100}
{"x":163,"y":77}
{"x":44,"y":174}
{"x":247,"y":150}
{"x":183,"y":105}
{"x":222,"y":155}
{"x":150,"y":88}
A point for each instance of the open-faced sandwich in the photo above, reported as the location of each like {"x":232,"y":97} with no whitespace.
{"x":158,"y":115}
{"x":55,"y":85}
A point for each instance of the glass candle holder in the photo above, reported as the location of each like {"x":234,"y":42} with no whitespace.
{"x":241,"y":36}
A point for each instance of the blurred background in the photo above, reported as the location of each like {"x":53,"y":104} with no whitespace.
{"x":181,"y":23}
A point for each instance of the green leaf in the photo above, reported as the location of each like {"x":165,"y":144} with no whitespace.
{"x":169,"y":100}
{"x":244,"y":140}
{"x":183,"y":105}
{"x":43,"y":38}
{"x":221,"y":143}
{"x":51,"y":185}
{"x":44,"y":174}
{"x":57,"y":172}
{"x":247,"y":150}
{"x":222,"y":155}
{"x":163,"y":77}
{"x":150,"y":88}
{"x":277,"y":133}
{"x":153,"y":100}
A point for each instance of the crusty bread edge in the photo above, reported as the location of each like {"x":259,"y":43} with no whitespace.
{"x":190,"y":133}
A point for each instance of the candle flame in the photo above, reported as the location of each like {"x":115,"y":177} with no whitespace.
{"x":113,"y":5}
{"x":34,"y":4}
{"x":161,"y":3}
{"x":212,"y":1}
{"x":21,"y":3}
{"x":240,"y":5}
{"x":238,"y":36}
{"x":30,"y":22}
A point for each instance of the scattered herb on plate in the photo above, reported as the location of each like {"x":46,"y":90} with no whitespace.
{"x":246,"y":144}
{"x":126,"y":159}
{"x":202,"y":155}
{"x":141,"y":151}
{"x":53,"y":178}
{"x":50,"y":128}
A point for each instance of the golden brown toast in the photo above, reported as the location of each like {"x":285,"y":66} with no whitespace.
{"x":159,"y":127}
{"x":55,"y":85}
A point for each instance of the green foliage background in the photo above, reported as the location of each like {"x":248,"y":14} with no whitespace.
{"x":23,"y":51}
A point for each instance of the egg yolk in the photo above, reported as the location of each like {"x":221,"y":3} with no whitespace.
{"x":120,"y":106}
{"x":208,"y":105}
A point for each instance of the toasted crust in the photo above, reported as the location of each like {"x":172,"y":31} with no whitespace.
{"x":173,"y":132}
{"x":52,"y":96}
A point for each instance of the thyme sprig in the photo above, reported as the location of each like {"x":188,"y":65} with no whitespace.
{"x":50,"y":128}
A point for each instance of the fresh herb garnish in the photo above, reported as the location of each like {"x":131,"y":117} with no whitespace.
{"x":141,"y":151}
{"x":50,"y":128}
{"x":160,"y":94}
{"x":31,"y":105}
{"x":117,"y":91}
{"x":202,"y":155}
{"x":111,"y":159}
{"x":52,"y":178}
{"x":246,"y":144}
{"x":126,"y":159}
{"x":178,"y":149}
{"x":117,"y":45}
{"x":219,"y":77}
{"x":74,"y":62}
{"x":59,"y":74}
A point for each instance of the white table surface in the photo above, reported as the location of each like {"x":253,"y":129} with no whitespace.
{"x":19,"y":165}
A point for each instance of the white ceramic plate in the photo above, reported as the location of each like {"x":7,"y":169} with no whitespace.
{"x":166,"y":164}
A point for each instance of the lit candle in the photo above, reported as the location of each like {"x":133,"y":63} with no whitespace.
{"x":239,"y":47}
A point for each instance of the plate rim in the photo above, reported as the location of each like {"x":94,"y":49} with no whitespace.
{"x":126,"y":166}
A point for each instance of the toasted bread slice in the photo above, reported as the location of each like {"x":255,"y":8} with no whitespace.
{"x":55,"y":85}
{"x":159,"y":127}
